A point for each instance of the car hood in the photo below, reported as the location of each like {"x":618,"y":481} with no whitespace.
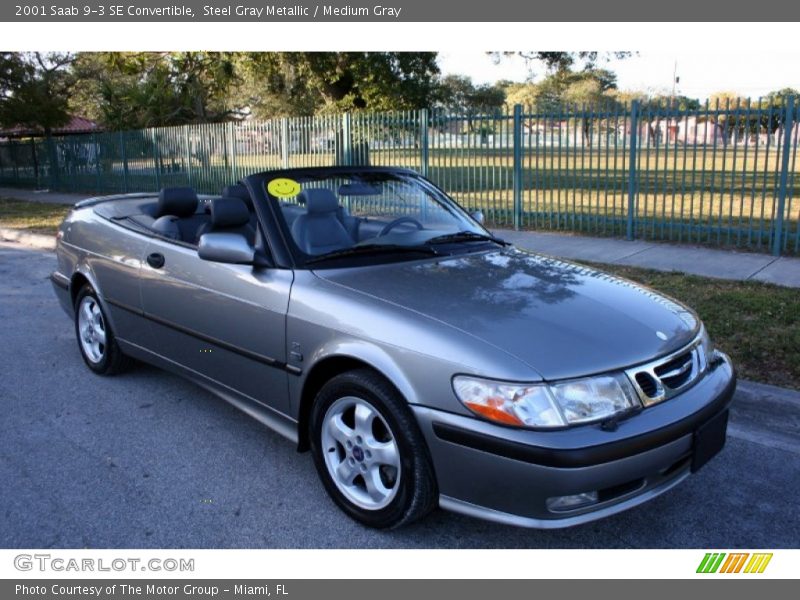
{"x":562,"y":319}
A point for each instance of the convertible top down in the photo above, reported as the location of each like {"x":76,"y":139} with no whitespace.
{"x":364,"y":315}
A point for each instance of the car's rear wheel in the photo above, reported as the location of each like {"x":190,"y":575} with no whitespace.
{"x":96,"y":340}
{"x":369,"y":451}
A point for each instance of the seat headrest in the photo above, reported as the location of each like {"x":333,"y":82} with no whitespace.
{"x":237,"y":191}
{"x":320,"y":200}
{"x":177,"y":201}
{"x":229,"y":212}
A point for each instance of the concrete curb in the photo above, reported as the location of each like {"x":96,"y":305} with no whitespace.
{"x":34,"y":240}
{"x":42,"y":196}
{"x":732,"y":265}
{"x":763,"y":390}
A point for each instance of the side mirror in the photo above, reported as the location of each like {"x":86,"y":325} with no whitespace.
{"x":477,"y":215}
{"x":226,"y":248}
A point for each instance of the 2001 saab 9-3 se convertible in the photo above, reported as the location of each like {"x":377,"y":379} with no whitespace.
{"x":364,"y":315}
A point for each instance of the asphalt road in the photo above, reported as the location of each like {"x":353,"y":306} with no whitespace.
{"x":146,"y":459}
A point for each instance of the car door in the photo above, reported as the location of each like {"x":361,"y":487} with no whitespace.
{"x":224,"y":322}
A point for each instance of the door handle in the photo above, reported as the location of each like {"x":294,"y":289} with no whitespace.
{"x":156,"y":260}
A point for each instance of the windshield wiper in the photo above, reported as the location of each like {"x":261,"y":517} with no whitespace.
{"x":467,"y":236}
{"x":373,"y":249}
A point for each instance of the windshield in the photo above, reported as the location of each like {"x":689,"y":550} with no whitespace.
{"x":379,"y":216}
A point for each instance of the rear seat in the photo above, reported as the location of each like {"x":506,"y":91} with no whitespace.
{"x":177,"y":216}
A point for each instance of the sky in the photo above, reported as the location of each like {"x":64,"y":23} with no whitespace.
{"x":701,"y":73}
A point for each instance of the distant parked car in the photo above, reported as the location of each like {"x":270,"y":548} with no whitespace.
{"x":363,"y":314}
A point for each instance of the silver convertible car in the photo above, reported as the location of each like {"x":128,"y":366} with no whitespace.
{"x":364,"y":315}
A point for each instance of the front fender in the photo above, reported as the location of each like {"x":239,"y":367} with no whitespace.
{"x":363,"y":351}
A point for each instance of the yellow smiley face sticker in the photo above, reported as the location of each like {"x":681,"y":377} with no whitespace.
{"x":283,"y":188}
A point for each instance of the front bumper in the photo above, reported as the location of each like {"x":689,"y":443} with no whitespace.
{"x":61,"y":288}
{"x":506,"y":475}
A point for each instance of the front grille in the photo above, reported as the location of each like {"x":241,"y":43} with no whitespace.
{"x":647,"y":383}
{"x":663,"y":378}
{"x":676,"y":372}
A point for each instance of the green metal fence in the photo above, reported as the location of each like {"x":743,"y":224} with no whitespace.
{"x":721,"y":175}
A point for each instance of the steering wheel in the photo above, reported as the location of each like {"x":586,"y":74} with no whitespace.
{"x":400,"y":221}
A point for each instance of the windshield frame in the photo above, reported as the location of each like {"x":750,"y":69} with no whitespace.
{"x":270,"y":207}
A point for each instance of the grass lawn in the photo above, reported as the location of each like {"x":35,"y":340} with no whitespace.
{"x":34,"y":217}
{"x":757,"y":324}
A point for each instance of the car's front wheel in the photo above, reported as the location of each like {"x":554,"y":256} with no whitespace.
{"x":96,"y":340}
{"x":369,"y":451}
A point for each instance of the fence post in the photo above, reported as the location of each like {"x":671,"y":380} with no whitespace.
{"x":52,"y":158}
{"x":788,"y":124}
{"x":156,"y":158}
{"x":232,"y":151}
{"x":124,"y":153}
{"x":187,"y":140}
{"x":285,"y":142}
{"x":35,"y":161}
{"x":347,"y":135}
{"x":634,"y":131}
{"x":517,"y":141}
{"x":97,"y":165}
{"x":14,"y":160}
{"x":423,"y":142}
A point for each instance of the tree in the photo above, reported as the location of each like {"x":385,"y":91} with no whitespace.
{"x":561,"y":62}
{"x":778,"y":98}
{"x":590,"y":87}
{"x":133,"y":90}
{"x":773,"y":114}
{"x":11,"y":72}
{"x":34,"y":89}
{"x":304,"y":83}
{"x":526,"y":94}
{"x":457,"y":93}
{"x":666,"y":101}
{"x":726,"y":100}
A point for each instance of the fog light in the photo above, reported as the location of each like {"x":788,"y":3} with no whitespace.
{"x":561,"y":503}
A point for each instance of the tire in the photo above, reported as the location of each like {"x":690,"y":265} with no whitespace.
{"x":96,"y":341}
{"x":376,"y":469}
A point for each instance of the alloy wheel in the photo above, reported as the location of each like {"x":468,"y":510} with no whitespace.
{"x":91,"y":329}
{"x":361,"y":453}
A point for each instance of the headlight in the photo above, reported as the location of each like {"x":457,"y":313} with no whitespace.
{"x":546,"y":405}
{"x":593,"y":398}
{"x":707,"y":350}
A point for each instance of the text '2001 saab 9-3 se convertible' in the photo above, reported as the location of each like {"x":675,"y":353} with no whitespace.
{"x":364,"y":315}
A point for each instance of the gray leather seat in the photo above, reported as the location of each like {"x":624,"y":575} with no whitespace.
{"x":229,"y":215}
{"x":238,"y":191}
{"x":291,"y":212}
{"x":351,"y":223}
{"x":319,"y":230}
{"x":177,"y":216}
